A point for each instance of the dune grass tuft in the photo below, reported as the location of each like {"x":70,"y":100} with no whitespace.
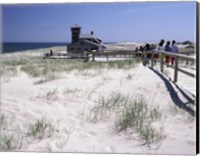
{"x":6,"y":72}
{"x":130,"y":113}
{"x":140,"y":116}
{"x":50,"y":92}
{"x":114,"y":100}
{"x":9,"y":142}
{"x":42,"y":128}
{"x":3,"y":121}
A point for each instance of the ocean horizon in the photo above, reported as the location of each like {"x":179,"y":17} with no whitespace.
{"x":10,"y":47}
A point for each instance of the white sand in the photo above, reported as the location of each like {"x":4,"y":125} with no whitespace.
{"x":23,"y":102}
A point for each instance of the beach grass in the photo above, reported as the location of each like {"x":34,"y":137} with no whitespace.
{"x":50,"y":92}
{"x":48,"y":70}
{"x":42,"y":128}
{"x":140,"y":116}
{"x":7,"y":72}
{"x":3,"y":121}
{"x":130,"y":113}
{"x":9,"y":142}
{"x":114,"y":100}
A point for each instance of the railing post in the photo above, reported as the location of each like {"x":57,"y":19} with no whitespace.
{"x":176,"y":69}
{"x":162,"y":62}
{"x":152,"y":59}
{"x":187,"y":62}
{"x":93,"y":57}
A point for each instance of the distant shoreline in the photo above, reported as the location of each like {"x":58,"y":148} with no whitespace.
{"x":11,"y":47}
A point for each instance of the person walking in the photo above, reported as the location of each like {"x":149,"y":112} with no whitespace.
{"x":160,"y":47}
{"x":167,"y":49}
{"x":175,"y":50}
{"x":147,"y":56}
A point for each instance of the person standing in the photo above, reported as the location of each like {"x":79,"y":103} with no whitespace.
{"x":147,"y":56}
{"x":161,"y":45}
{"x":167,"y":49}
{"x":175,"y":50}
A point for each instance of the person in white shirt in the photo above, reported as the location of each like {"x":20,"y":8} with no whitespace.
{"x":174,"y":49}
{"x":161,"y":45}
{"x":159,"y":48}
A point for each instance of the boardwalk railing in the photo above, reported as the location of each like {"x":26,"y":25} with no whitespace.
{"x":114,"y":53}
{"x":161,"y":57}
{"x":132,"y":54}
{"x":177,"y":57}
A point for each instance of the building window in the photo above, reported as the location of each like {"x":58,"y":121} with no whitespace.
{"x":82,"y":43}
{"x":72,"y":48}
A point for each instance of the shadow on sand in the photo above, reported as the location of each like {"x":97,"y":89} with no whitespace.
{"x":174,"y":96}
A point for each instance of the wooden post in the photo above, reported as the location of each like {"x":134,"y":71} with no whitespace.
{"x":176,"y":69}
{"x":152,"y":59}
{"x":162,"y":62}
{"x":93,"y":57}
{"x":187,"y":60}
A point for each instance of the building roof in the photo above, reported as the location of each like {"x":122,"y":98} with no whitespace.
{"x":96,"y":44}
{"x":90,"y":36}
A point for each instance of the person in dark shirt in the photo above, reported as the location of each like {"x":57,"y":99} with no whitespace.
{"x":168,"y":49}
{"x":147,"y":56}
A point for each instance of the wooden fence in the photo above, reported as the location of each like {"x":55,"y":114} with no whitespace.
{"x":177,"y":57}
{"x":161,"y":54}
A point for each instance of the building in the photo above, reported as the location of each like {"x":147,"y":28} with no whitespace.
{"x":83,"y":42}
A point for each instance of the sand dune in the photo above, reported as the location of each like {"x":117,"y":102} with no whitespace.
{"x":71,"y":102}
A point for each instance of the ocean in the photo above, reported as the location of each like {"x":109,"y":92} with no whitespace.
{"x":15,"y":47}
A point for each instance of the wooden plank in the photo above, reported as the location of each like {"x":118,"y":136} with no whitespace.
{"x":152,"y":59}
{"x":93,"y":57}
{"x":176,"y":70}
{"x":186,"y":72}
{"x":162,"y":62}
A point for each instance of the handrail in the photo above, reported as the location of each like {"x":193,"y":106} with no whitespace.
{"x":174,"y":54}
{"x":176,"y":67}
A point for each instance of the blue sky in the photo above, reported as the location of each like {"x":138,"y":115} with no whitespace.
{"x":111,"y":22}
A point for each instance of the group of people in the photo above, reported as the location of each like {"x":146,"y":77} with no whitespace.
{"x":168,"y":48}
{"x":144,"y":48}
{"x":161,"y":47}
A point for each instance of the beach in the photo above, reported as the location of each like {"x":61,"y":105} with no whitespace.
{"x":75,"y":106}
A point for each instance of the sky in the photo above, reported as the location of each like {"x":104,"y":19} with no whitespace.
{"x":111,"y":22}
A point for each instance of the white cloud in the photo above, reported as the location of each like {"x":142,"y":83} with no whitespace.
{"x":150,"y":8}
